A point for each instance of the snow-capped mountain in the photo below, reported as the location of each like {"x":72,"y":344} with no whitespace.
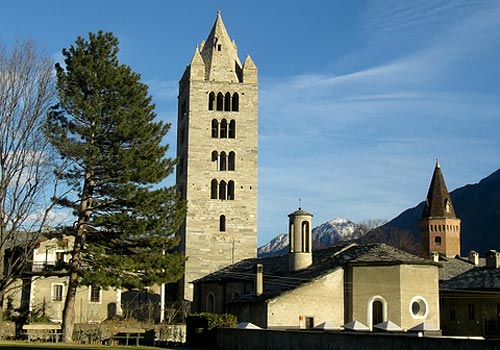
{"x":335,"y":231}
{"x":324,"y":235}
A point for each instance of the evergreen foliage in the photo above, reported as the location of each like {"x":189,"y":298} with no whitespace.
{"x":105,"y":131}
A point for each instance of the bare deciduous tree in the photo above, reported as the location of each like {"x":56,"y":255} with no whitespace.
{"x":27,"y":90}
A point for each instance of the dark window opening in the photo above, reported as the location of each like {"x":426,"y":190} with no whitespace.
{"x":227,"y":102}
{"x":230,"y":190}
{"x":437,"y":240}
{"x":222,"y":190}
{"x":215,"y":128}
{"x":305,"y":236}
{"x":232,"y":129}
{"x":220,"y":101}
{"x":222,"y":223}
{"x":236,"y":102}
{"x":213,"y":189}
{"x":211,"y":100}
{"x":377,"y":312}
{"x":231,"y":161}
{"x":223,"y":129}
{"x":223,"y":162}
{"x":219,"y":47}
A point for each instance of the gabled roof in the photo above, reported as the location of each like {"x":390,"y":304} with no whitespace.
{"x":279,"y":280}
{"x":438,"y":202}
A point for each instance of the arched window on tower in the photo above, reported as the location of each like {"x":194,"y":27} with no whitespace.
{"x":215,"y":128}
{"x":305,"y":236}
{"x":220,"y":101}
{"x":437,"y":240}
{"x":215,"y":158}
{"x":236,"y":102}
{"x":232,"y":129}
{"x":223,"y":161}
{"x":227,"y":102}
{"x":222,"y":190}
{"x":213,"y":189}
{"x":222,"y":223}
{"x":231,"y":161}
{"x":223,"y":129}
{"x":211,"y":100}
{"x":230,"y":190}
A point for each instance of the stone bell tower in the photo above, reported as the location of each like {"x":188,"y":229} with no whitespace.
{"x":217,"y":152}
{"x":439,"y":227}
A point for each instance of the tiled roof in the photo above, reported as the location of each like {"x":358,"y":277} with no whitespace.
{"x":460,"y":274}
{"x":453,"y":267}
{"x":278,"y":279}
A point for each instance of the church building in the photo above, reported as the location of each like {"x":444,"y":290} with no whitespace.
{"x":217,"y":153}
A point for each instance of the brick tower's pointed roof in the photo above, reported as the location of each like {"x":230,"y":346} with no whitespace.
{"x":220,"y":53}
{"x":438,"y":202}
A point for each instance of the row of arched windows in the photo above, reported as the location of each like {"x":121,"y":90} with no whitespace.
{"x":224,"y":102}
{"x":223,"y":129}
{"x":224,"y":161}
{"x":222,"y":190}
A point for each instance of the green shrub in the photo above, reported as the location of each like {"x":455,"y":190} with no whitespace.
{"x":217,"y":320}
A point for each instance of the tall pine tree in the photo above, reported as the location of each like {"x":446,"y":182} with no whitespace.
{"x":104,"y":127}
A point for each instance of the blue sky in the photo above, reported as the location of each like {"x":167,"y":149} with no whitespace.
{"x":357,"y":98}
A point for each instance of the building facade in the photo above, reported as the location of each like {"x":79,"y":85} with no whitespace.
{"x":217,"y":153}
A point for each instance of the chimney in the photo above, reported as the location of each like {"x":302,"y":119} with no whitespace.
{"x":473,"y":257}
{"x":259,"y":281}
{"x":434,"y":256}
{"x":493,"y":259}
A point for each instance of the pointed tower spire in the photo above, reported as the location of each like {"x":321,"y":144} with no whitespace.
{"x":439,"y":226}
{"x":438,"y":202}
{"x":220,"y":54}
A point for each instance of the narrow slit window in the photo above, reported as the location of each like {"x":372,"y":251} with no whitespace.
{"x":222,"y":223}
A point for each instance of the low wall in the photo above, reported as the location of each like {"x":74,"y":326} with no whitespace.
{"x":250,"y":339}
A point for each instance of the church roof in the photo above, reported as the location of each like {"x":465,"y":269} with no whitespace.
{"x":300,"y":212}
{"x":279,"y":280}
{"x":438,"y":202}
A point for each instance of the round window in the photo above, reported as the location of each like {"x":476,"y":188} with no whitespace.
{"x":418,"y":307}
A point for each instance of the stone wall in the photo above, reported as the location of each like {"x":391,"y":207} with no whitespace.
{"x":241,"y":339}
